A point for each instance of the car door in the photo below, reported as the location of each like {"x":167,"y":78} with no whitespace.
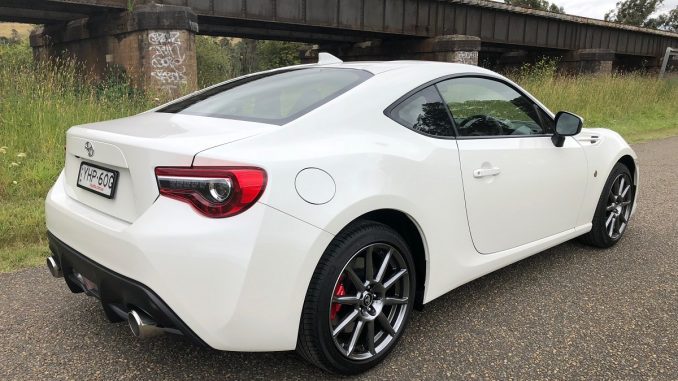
{"x":518,"y":186}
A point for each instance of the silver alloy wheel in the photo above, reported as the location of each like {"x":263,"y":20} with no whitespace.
{"x":618,"y":208}
{"x":368,"y":312}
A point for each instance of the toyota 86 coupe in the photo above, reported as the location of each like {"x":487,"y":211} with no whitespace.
{"x":314,"y":207}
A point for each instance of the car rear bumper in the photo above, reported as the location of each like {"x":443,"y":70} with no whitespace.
{"x":236,"y":283}
{"x":117,"y":293}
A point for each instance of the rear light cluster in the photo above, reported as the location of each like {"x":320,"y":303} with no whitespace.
{"x":215,"y":192}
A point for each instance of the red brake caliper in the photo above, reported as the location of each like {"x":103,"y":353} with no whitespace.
{"x":340,"y":290}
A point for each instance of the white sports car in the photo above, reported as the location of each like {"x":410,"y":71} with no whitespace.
{"x":314,"y":207}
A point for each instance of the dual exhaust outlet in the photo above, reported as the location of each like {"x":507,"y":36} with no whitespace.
{"x":141,"y":325}
{"x":54,"y":268}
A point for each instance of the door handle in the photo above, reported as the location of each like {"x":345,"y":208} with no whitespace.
{"x":484,"y":172}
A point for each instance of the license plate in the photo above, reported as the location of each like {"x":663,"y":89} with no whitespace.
{"x":96,"y":179}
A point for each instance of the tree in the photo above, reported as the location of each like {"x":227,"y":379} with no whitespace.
{"x":633,"y":12}
{"x":221,"y":58}
{"x":667,"y":21}
{"x":541,"y":5}
{"x":274,"y":54}
{"x":214,"y":60}
{"x":556,"y":9}
{"x":257,"y":55}
{"x":671,"y":20}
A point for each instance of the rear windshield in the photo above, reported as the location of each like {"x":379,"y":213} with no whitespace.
{"x":275,"y":98}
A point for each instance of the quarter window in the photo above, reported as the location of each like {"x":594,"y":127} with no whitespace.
{"x":424,"y":112}
{"x":485,"y":107}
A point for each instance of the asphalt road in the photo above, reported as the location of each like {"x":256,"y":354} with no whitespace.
{"x":568,"y":313}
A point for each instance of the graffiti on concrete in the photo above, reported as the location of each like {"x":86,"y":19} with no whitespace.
{"x":167,"y":59}
{"x":469,"y":58}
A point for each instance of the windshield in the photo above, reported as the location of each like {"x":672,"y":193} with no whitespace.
{"x":275,"y":98}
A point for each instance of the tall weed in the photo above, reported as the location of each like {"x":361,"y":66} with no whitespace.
{"x":638,"y":106}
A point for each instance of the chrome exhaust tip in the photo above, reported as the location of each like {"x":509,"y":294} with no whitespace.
{"x":54,"y":267}
{"x":142,"y":325}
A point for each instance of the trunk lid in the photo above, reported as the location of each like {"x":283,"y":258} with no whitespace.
{"x":134,"y":146}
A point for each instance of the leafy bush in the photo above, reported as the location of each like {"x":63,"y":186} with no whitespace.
{"x":220,"y":59}
{"x":214,"y":60}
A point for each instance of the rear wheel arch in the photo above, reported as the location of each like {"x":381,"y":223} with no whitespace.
{"x":329,"y":341}
{"x":407,"y":227}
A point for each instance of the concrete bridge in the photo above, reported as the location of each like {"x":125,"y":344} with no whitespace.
{"x":154,"y":40}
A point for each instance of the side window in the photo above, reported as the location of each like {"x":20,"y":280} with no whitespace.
{"x":425,"y":112}
{"x":484,"y":107}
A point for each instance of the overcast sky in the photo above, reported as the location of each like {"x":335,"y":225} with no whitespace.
{"x":597,"y":8}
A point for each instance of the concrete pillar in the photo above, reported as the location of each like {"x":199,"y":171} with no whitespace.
{"x":153,"y":44}
{"x":451,"y":48}
{"x":589,"y":61}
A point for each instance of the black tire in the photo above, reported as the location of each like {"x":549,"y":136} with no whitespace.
{"x":318,"y":341}
{"x":601,"y":232}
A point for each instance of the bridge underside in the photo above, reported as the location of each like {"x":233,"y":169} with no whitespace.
{"x":105,"y":33}
{"x":360,"y":20}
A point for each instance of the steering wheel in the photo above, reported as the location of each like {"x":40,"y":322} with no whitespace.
{"x":472,"y":120}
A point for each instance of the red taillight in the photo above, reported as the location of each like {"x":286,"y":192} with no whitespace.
{"x":216,"y":192}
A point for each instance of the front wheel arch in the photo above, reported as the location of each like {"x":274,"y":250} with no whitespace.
{"x":612,"y":207}
{"x":630,"y":163}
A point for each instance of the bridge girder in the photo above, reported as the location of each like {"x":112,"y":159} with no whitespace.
{"x":105,"y":33}
{"x":358,"y":20}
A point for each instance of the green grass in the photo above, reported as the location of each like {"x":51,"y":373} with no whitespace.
{"x":39,"y":102}
{"x":640,"y":107}
{"x":17,"y":257}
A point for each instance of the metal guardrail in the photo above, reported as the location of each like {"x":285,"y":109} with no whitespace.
{"x":669,"y":52}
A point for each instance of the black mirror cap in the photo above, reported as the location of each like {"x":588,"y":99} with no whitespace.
{"x":567,"y":124}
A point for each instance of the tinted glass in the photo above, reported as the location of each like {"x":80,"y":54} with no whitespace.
{"x":483,"y":107}
{"x":272,"y":98}
{"x":424,"y":112}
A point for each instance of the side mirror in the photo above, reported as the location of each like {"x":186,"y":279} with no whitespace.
{"x":567,"y":124}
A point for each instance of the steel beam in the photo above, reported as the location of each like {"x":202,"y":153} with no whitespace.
{"x":37,"y":16}
{"x":257,"y":32}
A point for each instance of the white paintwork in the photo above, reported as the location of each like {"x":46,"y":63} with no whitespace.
{"x":602,"y":155}
{"x":536,"y":194}
{"x":240,"y":282}
{"x":148,"y":140}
